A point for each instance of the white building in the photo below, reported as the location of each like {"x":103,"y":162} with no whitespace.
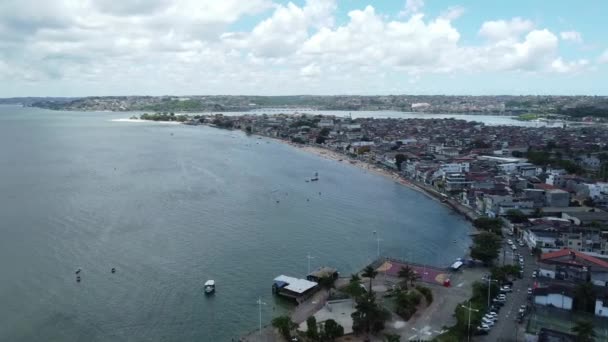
{"x":455,"y":167}
{"x":601,"y":307}
{"x":553,"y":297}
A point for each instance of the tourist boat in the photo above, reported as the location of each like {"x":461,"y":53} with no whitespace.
{"x":209,"y":286}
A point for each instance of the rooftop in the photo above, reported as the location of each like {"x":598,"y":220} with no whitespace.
{"x":294,"y":284}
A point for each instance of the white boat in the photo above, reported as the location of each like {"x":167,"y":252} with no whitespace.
{"x":209,"y":286}
{"x":315,"y":178}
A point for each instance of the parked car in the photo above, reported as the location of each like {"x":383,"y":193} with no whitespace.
{"x":492,"y":313}
{"x":487,"y":322}
{"x":534,"y":274}
{"x":509,"y":241}
{"x":529,"y":291}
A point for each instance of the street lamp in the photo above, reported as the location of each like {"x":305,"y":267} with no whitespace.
{"x":469,"y":308}
{"x":490,"y":280}
{"x":260,"y":303}
{"x":308,"y":256}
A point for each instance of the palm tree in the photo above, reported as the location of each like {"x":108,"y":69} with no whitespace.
{"x":407,"y":274}
{"x":355,"y":278}
{"x":584,"y":331}
{"x":371,"y":273}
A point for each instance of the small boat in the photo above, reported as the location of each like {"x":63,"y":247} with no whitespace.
{"x":315,"y":178}
{"x":209,"y":286}
{"x":113,"y":270}
{"x":78,"y":270}
{"x":78,"y":279}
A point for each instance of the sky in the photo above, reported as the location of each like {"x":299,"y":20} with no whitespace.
{"x":323,"y":47}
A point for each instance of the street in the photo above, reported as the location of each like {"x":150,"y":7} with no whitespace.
{"x":507,"y":328}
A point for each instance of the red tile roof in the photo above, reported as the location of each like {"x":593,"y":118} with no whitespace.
{"x":567,"y":251}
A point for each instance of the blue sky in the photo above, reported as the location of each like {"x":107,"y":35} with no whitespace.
{"x":266,"y":47}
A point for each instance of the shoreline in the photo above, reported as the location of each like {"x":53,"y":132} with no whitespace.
{"x":146,"y":121}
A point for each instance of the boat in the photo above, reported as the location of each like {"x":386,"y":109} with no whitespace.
{"x":209,"y":286}
{"x":315,"y":178}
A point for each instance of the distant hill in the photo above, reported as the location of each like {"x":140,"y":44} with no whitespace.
{"x":575,"y":106}
{"x":28,"y":101}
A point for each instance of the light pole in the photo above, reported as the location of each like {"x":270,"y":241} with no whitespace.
{"x":490,"y":280}
{"x":378,"y":239}
{"x":260,"y":303}
{"x":308,"y":256}
{"x":469,"y":308}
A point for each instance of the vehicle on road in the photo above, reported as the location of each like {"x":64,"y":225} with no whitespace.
{"x":529,"y":291}
{"x":534,"y":274}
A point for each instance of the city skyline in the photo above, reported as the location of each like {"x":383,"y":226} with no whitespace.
{"x":319,"y":47}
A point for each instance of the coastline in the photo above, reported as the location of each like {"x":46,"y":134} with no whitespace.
{"x":146,"y":121}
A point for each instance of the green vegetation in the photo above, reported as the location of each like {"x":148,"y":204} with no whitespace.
{"x":584,"y":297}
{"x":392,"y":338}
{"x":544,"y":159}
{"x":331,"y":330}
{"x":371,"y":273}
{"x":222,"y":123}
{"x":426,"y":292}
{"x":407,"y":275}
{"x":485,"y":247}
{"x":369,"y":316}
{"x":285,"y":325}
{"x":528,"y":117}
{"x":399,"y":159}
{"x":502,"y":273}
{"x":584,"y":331}
{"x":177,"y":106}
{"x":354,"y":288}
{"x":312,"y":331}
{"x":493,"y":225}
{"x":407,"y":302}
{"x":164,"y":116}
{"x":516,"y":216}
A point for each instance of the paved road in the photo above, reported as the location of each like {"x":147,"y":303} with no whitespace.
{"x":507,"y":328}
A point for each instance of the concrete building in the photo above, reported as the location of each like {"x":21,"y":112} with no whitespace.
{"x":568,"y":264}
{"x":601,"y":306}
{"x":293,"y":288}
{"x":587,"y":218}
{"x":557,"y":198}
{"x":556,"y":296}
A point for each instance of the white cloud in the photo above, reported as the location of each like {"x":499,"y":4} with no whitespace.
{"x":453,"y":13}
{"x":568,"y":67}
{"x":572,"y":36}
{"x":411,"y":7}
{"x":603,"y":57}
{"x":187,"y":46}
{"x":502,"y":30}
{"x":311,"y":71}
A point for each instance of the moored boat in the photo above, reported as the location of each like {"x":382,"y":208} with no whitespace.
{"x":209,"y":286}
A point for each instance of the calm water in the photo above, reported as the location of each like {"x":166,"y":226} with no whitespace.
{"x":170,"y":206}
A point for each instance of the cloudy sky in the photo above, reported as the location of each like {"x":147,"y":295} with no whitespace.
{"x":274,"y":47}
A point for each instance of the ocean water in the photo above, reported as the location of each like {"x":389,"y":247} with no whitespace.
{"x":171,"y":206}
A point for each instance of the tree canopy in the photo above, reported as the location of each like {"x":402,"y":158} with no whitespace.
{"x":485,"y":247}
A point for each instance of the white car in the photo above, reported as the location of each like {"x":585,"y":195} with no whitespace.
{"x":487,"y":322}
{"x":513,"y":247}
{"x":492,"y":313}
{"x":521,"y":244}
{"x":534,"y":274}
{"x":509,"y":242}
{"x":529,"y":290}
{"x":484,"y":327}
{"x":506,"y":289}
{"x":491,"y":318}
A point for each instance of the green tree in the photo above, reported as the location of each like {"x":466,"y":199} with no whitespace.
{"x":332,"y":330}
{"x":369,"y":316}
{"x":485,"y":247}
{"x":493,"y":225}
{"x":392,"y":338}
{"x":399,"y":159}
{"x":516,"y":216}
{"x":584,"y":297}
{"x":312,"y":330}
{"x":407,"y":275}
{"x":285,"y":325}
{"x":584,"y":331}
{"x":371,"y":273}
